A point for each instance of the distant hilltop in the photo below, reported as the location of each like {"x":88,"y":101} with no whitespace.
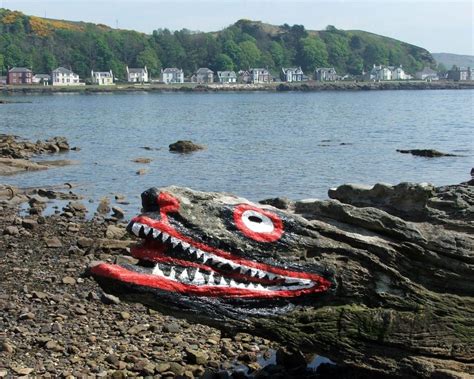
{"x":449,"y":60}
{"x":43,"y":44}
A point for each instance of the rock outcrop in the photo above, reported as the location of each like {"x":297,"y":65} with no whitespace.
{"x":15,"y":154}
{"x":427,"y":153}
{"x":185,"y":147}
{"x":380,"y":279}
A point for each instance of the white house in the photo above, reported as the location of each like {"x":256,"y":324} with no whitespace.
{"x":427,"y":74}
{"x":227,"y":77}
{"x":292,"y":74}
{"x":203,"y":75}
{"x":260,"y":75}
{"x":325,"y":74}
{"x":398,"y":73}
{"x":43,"y":79}
{"x":172,"y":75}
{"x":64,"y":77}
{"x":380,"y":73}
{"x":102,"y":78}
{"x":137,"y":75}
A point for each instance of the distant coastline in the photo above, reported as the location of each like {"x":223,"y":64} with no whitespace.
{"x":311,"y":86}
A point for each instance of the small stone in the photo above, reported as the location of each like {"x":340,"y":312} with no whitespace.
{"x":112,"y":359}
{"x":22,"y":370}
{"x":12,"y":231}
{"x":118,"y":212}
{"x":162,"y":367}
{"x":172,"y":327}
{"x":142,"y":160}
{"x":7,"y":347}
{"x":136,"y":329}
{"x":68,"y":280}
{"x":77,"y":206}
{"x":115,"y":232}
{"x":85,"y":242}
{"x":39,"y":295}
{"x":29,"y":224}
{"x":104,"y":206}
{"x":142,"y":171}
{"x":92,"y":296}
{"x":176,"y":368}
{"x":27,"y":316}
{"x":3,"y":373}
{"x":53,"y":345}
{"x":125,"y":315}
{"x":109,"y":299}
{"x":53,"y":242}
{"x":196,"y":357}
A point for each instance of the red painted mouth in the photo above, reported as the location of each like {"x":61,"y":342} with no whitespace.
{"x":185,"y":266}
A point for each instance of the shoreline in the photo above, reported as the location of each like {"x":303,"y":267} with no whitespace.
{"x":311,"y":86}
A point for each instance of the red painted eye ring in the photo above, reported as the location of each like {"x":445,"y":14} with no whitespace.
{"x":274,"y":232}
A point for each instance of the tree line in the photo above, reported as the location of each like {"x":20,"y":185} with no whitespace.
{"x":43,"y":45}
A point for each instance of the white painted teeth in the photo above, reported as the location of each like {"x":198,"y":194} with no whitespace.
{"x":157,"y":271}
{"x":174,"y":241}
{"x":290,"y":283}
{"x":164,"y":237}
{"x":136,"y":229}
{"x":198,"y":278}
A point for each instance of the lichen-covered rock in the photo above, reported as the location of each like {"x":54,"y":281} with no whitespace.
{"x":365,"y":285}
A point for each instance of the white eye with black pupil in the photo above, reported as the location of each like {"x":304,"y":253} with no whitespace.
{"x":257,"y":222}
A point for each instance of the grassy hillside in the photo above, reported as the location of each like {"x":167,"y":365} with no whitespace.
{"x":43,"y":44}
{"x":449,"y":60}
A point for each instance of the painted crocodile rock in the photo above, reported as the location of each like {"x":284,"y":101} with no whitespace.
{"x":382,"y":278}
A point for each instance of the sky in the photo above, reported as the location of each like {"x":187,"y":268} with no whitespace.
{"x":439,"y":26}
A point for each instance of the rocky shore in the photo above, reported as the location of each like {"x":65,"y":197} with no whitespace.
{"x":16,"y":154}
{"x":272,"y":87}
{"x":57,"y":322}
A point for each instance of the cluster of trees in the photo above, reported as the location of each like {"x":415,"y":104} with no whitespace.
{"x":43,"y":45}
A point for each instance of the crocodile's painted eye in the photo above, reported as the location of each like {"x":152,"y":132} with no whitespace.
{"x":258,"y":224}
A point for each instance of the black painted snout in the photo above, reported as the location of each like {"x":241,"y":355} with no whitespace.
{"x":150,"y":200}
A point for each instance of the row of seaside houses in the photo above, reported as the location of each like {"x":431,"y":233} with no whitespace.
{"x":172,"y":75}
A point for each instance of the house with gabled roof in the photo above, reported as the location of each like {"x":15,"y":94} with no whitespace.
{"x":260,"y":76}
{"x":203,"y":75}
{"x":292,"y":74}
{"x":325,"y":74}
{"x":137,"y":75}
{"x":64,"y":77}
{"x":102,"y":78}
{"x":172,"y":75}
{"x":43,"y":79}
{"x":427,"y":74}
{"x":19,"y":75}
{"x":225,"y":77}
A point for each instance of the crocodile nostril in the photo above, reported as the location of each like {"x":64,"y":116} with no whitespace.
{"x":149,"y":200}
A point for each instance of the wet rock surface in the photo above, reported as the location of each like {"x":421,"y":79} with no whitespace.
{"x":16,"y":154}
{"x":56,"y":321}
{"x":389,"y":267}
{"x":185,"y":147}
{"x":427,"y":153}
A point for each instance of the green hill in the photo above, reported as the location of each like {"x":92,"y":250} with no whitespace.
{"x":449,"y":60}
{"x":43,"y":44}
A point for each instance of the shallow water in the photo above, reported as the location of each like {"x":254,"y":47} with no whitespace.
{"x":260,"y":145}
